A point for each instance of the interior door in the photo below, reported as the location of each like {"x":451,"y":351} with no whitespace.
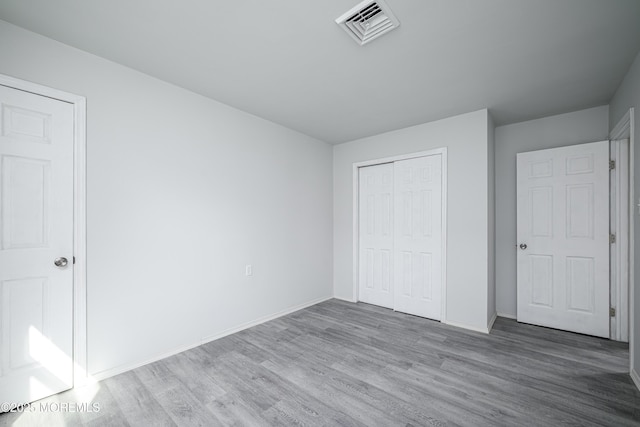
{"x":376,"y":235}
{"x":36,"y":246}
{"x":563,"y":238}
{"x":418,"y":236}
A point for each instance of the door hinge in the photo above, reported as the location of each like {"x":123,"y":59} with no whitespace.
{"x":612,"y":238}
{"x":74,"y":260}
{"x":612,"y":312}
{"x":612,"y":165}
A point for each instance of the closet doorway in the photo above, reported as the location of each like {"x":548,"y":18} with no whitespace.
{"x":400,"y":214}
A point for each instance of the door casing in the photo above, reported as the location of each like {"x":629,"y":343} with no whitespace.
{"x":625,"y":128}
{"x":619,"y":250}
{"x":80,"y":372}
{"x":356,"y":216}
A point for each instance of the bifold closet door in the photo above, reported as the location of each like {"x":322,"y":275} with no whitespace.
{"x":400,"y":229}
{"x":376,"y":234}
{"x":418,"y":236}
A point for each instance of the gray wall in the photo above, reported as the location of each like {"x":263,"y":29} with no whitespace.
{"x":556,"y":131}
{"x":183,"y":192}
{"x":465,"y":137}
{"x":627,"y":96}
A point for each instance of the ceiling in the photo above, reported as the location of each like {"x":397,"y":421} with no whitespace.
{"x":287,"y":61}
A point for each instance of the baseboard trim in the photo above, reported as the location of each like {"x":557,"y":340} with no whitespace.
{"x":345,"y":299}
{"x":103,"y":375}
{"x":508,"y":316}
{"x":491,"y":322}
{"x":263,"y":320}
{"x":635,"y":378}
{"x":470,"y":328}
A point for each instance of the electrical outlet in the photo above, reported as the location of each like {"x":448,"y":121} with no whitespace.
{"x":248,"y":270}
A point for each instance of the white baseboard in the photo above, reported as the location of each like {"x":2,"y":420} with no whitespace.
{"x":345,"y":299}
{"x":636,"y":378}
{"x":102,"y":375}
{"x":491,"y":322}
{"x":263,"y":320}
{"x":508,"y":316}
{"x":470,"y":328}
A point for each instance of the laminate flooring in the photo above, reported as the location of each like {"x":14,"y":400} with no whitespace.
{"x":338,"y":363}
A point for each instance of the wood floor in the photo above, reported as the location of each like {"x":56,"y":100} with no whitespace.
{"x":338,"y":363}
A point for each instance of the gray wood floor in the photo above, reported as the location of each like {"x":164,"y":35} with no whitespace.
{"x":338,"y":363}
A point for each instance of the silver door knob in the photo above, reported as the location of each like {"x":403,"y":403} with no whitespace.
{"x":523,"y":246}
{"x":60,"y":262}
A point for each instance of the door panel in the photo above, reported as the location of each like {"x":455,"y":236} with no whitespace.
{"x":25,"y":202}
{"x":376,"y":234}
{"x":418,"y":240}
{"x":563,"y":219}
{"x":36,"y":227}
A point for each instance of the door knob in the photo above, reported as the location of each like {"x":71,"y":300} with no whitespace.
{"x":60,"y":262}
{"x":523,"y":246}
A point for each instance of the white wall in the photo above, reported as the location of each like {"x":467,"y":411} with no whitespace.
{"x":627,"y":96}
{"x":465,"y":136}
{"x":555,"y":131}
{"x":183,"y":192}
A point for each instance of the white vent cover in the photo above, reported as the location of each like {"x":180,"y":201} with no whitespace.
{"x":368,"y":21}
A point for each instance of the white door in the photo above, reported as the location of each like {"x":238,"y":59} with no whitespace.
{"x":400,"y":235}
{"x":563,"y":238}
{"x":36,"y":227}
{"x":376,"y":234}
{"x":418,"y":236}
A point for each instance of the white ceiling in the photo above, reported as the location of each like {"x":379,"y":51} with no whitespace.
{"x":288,"y":62}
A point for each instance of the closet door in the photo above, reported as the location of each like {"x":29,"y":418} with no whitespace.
{"x":376,"y":235}
{"x":418,"y":236}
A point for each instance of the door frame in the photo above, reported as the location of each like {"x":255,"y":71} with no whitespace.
{"x":625,"y":129}
{"x":619,"y":250}
{"x":80,"y":373}
{"x":356,"y":219}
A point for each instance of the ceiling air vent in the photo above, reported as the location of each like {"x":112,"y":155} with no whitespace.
{"x":368,"y":21}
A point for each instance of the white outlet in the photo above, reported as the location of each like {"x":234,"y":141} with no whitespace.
{"x":248,"y":270}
